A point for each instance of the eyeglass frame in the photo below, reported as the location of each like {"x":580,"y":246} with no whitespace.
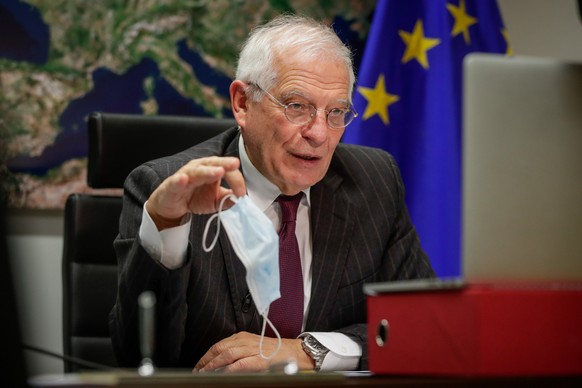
{"x":314,"y":109}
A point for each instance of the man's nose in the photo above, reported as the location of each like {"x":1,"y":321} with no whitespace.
{"x":317,"y":130}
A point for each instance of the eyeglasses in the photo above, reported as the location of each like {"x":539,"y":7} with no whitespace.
{"x":301,"y":114}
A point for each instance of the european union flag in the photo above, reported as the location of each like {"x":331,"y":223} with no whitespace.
{"x":409,"y":102}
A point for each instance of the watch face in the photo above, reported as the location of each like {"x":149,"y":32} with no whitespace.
{"x":313,"y":343}
{"x":316,"y":346}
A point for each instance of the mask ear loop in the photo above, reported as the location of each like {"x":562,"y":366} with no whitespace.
{"x":279,"y":341}
{"x":206,"y":228}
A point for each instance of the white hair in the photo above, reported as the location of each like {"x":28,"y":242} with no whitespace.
{"x":304,"y":37}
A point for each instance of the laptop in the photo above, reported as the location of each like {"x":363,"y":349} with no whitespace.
{"x":522,"y":188}
{"x":522,"y":173}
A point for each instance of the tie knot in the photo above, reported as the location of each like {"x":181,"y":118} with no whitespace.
{"x":289,"y":205}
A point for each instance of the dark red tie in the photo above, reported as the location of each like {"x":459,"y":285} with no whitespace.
{"x":286,"y":313}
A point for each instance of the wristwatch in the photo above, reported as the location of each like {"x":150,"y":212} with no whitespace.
{"x":315,"y":350}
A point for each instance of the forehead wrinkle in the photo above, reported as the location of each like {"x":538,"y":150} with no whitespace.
{"x":296,"y":93}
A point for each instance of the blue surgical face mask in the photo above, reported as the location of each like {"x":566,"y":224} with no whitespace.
{"x":253,"y":238}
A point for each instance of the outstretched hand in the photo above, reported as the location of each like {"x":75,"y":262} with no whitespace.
{"x":195,"y":188}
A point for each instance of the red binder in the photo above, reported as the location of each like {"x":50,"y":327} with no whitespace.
{"x":476,"y":330}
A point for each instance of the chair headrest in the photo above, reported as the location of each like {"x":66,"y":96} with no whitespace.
{"x":118,"y":143}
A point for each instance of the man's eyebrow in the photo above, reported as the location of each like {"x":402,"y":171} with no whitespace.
{"x":343,"y":101}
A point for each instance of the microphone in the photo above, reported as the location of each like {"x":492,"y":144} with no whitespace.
{"x":73,"y":360}
{"x":147,"y":304}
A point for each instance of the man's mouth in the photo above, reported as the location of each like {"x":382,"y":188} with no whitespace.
{"x":307,"y":157}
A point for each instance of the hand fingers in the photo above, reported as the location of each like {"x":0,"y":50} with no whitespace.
{"x":228,"y":203}
{"x":213,"y":169}
{"x":185,"y":180}
{"x":195,"y":188}
{"x":228,"y":163}
{"x":236,"y":182}
{"x":175,"y":195}
{"x":237,"y":352}
{"x":206,"y":170}
{"x":240,"y":352}
{"x":232,"y":174}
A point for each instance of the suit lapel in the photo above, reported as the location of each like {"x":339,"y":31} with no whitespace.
{"x":331,"y":226}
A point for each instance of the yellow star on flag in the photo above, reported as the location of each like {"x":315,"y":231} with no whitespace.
{"x":378,"y":100}
{"x":509,"y":50}
{"x":417,"y":44}
{"x":462,"y":21}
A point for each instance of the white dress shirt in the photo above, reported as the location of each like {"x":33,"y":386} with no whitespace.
{"x":170,"y":245}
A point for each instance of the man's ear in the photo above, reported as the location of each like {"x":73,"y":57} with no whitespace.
{"x":239,"y":102}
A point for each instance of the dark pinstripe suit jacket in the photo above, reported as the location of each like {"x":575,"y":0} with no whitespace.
{"x":361,"y":233}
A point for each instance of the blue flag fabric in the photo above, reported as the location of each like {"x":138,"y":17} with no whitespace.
{"x":409,"y":99}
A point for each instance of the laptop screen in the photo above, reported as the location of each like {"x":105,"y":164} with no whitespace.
{"x":522,"y":169}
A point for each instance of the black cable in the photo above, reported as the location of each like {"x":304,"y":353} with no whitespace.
{"x":74,"y":360}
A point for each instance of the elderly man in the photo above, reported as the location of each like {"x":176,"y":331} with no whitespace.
{"x":292,"y":101}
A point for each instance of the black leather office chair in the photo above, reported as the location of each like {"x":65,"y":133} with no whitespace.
{"x":117,"y":144}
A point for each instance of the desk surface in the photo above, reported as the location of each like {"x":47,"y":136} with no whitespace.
{"x":301,"y":380}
